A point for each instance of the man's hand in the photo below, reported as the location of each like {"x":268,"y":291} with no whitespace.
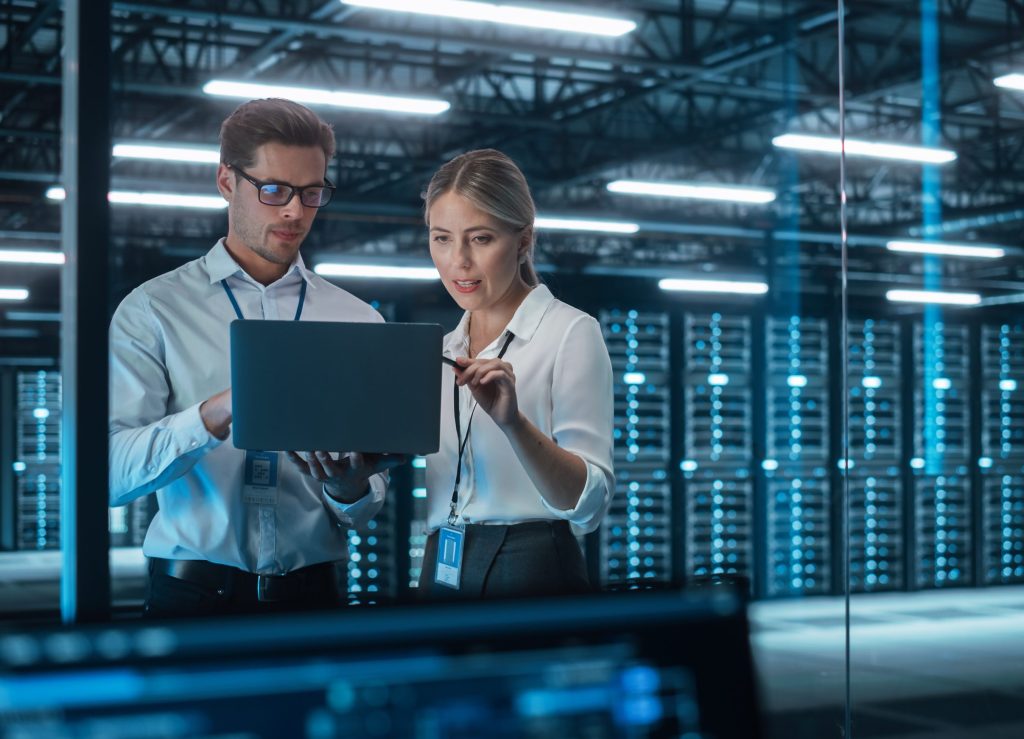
{"x":346,"y":478}
{"x":216,"y":414}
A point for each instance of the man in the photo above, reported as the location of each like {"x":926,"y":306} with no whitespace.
{"x":218,"y":545}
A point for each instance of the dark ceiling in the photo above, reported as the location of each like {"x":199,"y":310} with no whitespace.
{"x":695,"y":93}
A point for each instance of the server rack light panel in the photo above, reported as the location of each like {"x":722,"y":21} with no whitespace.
{"x":718,"y":436}
{"x":371,"y":576}
{"x":636,"y":541}
{"x":37,"y":460}
{"x":797,"y":448}
{"x":1002,"y":391}
{"x":1002,"y":444}
{"x":877,"y":510}
{"x":418,"y":525}
{"x":942,"y":491}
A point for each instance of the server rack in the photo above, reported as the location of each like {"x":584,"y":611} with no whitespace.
{"x":798,"y":490}
{"x":717,"y":445}
{"x":942,"y":491}
{"x":1002,"y":448}
{"x":876,"y":423}
{"x":636,"y":537}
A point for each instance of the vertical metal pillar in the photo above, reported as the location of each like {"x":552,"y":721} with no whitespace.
{"x":85,"y":231}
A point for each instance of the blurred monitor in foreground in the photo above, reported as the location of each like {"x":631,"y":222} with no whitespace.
{"x":633,"y":665}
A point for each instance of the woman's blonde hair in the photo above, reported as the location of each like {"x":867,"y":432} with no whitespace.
{"x":493,"y":183}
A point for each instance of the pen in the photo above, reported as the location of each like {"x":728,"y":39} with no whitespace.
{"x":449,"y":360}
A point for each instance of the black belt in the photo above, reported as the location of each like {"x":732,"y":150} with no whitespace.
{"x":316,"y":578}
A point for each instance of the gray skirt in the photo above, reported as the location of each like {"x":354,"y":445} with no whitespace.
{"x":537,"y":558}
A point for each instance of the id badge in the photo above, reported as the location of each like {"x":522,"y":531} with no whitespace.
{"x":260,"y":481}
{"x":451,"y":541}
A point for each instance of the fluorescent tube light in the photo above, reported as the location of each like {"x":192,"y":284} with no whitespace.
{"x":510,"y":15}
{"x":714,"y":286}
{"x":380,"y":271}
{"x":1010,"y":81}
{"x":933,"y":297}
{"x":858,"y":147}
{"x":634,"y":378}
{"x":29,"y":256}
{"x":583,"y":224}
{"x":199,"y":154}
{"x":725,"y":193}
{"x":168,"y":200}
{"x":162,"y":199}
{"x":335,"y":98}
{"x":947,"y":250}
{"x":33,"y":315}
{"x":13,"y":293}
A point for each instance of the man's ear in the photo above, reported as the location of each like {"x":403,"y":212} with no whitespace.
{"x":225,"y":181}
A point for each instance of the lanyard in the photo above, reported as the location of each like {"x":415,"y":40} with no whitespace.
{"x":238,"y":311}
{"x":463,"y":442}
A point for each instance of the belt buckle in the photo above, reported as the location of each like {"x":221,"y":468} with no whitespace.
{"x":264,"y":588}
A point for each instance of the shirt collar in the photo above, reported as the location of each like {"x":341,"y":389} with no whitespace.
{"x":523,"y":324}
{"x":220,"y":265}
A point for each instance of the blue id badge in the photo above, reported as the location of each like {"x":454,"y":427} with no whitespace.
{"x":450,"y":543}
{"x":260,"y":481}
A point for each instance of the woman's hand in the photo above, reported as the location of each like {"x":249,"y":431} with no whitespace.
{"x":346,"y":478}
{"x":493,"y":384}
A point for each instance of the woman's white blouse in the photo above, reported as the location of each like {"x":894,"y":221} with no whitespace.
{"x":564,"y":387}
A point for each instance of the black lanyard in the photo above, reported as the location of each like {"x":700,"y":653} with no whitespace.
{"x":460,"y":442}
{"x":238,"y":311}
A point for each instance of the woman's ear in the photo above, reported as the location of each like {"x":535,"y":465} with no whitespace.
{"x":525,"y":242}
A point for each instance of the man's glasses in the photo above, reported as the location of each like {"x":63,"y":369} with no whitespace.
{"x":276,"y":193}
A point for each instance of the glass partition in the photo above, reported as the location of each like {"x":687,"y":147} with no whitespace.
{"x":935,"y":496}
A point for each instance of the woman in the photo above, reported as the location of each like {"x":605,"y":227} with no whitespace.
{"x":526,"y":425}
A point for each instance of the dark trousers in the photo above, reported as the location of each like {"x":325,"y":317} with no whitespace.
{"x":538,"y":558}
{"x":206,"y":589}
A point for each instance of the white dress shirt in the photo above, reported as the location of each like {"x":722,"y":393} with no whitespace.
{"x":564,"y":387}
{"x":169,"y":352}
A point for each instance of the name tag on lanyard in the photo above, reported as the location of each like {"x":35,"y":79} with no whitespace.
{"x":260,"y":484}
{"x":451,"y":541}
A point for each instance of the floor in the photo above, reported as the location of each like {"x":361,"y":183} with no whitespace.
{"x":940,"y":665}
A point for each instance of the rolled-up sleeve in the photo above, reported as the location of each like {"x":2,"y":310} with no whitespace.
{"x":582,"y":418}
{"x":148,"y":448}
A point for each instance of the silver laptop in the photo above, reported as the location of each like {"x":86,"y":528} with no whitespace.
{"x":323,"y":385}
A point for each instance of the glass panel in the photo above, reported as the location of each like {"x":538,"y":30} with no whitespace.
{"x":937,"y":444}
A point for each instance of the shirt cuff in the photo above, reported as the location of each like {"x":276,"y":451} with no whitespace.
{"x":190,"y":433}
{"x":357,"y":514}
{"x":589,"y":509}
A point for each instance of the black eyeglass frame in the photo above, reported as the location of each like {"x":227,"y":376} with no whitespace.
{"x":328,"y":187}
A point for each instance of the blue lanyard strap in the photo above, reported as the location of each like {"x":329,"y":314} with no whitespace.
{"x":238,"y":311}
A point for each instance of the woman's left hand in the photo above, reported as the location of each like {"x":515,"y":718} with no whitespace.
{"x":493,"y":384}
